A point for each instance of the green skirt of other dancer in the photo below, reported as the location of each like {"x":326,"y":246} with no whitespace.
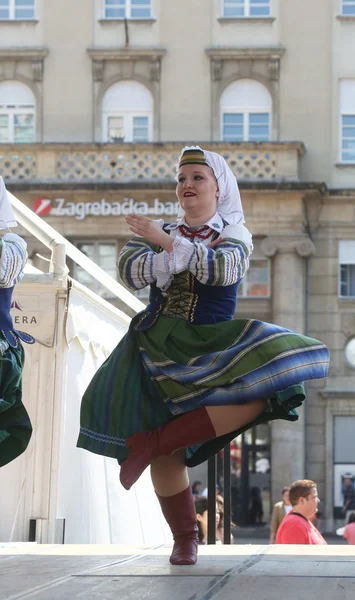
{"x":15,"y":425}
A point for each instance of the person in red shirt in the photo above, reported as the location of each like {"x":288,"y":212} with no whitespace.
{"x":349,"y":533}
{"x":297,"y":528}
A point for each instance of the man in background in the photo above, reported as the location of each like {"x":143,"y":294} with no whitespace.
{"x":297,"y":528}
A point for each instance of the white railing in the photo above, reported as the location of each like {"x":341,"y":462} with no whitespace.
{"x":60,"y":248}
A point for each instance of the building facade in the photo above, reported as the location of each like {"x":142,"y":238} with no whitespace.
{"x":96,"y":100}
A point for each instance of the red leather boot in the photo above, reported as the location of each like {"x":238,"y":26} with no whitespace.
{"x":192,"y":428}
{"x":180,"y":513}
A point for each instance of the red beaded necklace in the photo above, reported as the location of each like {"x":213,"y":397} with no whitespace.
{"x":202,"y":232}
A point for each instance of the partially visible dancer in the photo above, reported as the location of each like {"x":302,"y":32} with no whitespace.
{"x":297,"y":527}
{"x":15,"y":425}
{"x":280,"y":510}
{"x":349,"y":533}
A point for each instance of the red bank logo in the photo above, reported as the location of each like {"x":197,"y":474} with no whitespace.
{"x":42,"y":206}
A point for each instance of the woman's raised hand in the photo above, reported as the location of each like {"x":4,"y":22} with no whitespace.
{"x":149,"y":230}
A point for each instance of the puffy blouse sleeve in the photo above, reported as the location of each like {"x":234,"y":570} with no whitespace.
{"x":13,"y":257}
{"x":140,"y":263}
{"x":223,"y":265}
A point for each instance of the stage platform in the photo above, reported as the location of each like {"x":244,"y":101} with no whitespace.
{"x":250,"y":572}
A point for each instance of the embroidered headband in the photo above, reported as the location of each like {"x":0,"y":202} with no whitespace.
{"x":192,"y":156}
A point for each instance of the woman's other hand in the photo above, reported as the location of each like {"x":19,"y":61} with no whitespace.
{"x":215,"y":242}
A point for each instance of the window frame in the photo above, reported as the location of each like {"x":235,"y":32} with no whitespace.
{"x":12,"y":11}
{"x":128,"y":125}
{"x":342,"y":160}
{"x":340,"y":265}
{"x":96,"y":243}
{"x":247,"y":12}
{"x":345,"y":3}
{"x":128,"y":11}
{"x":11,"y":113}
{"x":246,"y":124}
{"x":244,"y":282}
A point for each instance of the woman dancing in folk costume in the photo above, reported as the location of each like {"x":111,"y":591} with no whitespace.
{"x":15,"y":425}
{"x":186,"y":379}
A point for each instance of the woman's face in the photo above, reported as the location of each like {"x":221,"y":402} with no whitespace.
{"x":204,"y":520}
{"x":286,"y":497}
{"x":197,"y":192}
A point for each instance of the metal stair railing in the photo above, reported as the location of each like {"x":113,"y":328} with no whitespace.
{"x":61,"y":247}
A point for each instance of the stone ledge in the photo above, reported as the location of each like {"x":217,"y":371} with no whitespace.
{"x":130,"y":53}
{"x":225,"y":20}
{"x":345,"y":165}
{"x":337,"y":394}
{"x":345,"y":18}
{"x":19,"y":21}
{"x":146,"y":21}
{"x":24,"y":53}
{"x":98,"y":185}
{"x":245,"y":52}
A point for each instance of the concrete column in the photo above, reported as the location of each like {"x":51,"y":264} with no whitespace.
{"x":289,"y":303}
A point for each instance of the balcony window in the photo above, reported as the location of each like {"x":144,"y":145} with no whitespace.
{"x":128,"y":9}
{"x":235,"y":9}
{"x":17,"y":113}
{"x":348,"y":8}
{"x":250,"y":127}
{"x":17,"y":9}
{"x":347,"y":269}
{"x":245,"y":112}
{"x":127,"y":111}
{"x":104,"y":254}
{"x":127,"y":128}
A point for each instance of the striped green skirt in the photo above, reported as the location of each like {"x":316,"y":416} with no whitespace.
{"x":15,"y":425}
{"x":153,"y":376}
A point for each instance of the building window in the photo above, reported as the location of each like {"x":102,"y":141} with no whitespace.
{"x":17,"y":113}
{"x":347,"y":120}
{"x":128,"y":9}
{"x":344,"y":461}
{"x":347,"y":269}
{"x":348,"y":138}
{"x":245,"y":112}
{"x":235,"y":9}
{"x":251,"y":127}
{"x":256,"y":283}
{"x":127,"y":113}
{"x":104,"y":254}
{"x":348,"y":8}
{"x":17,"y":9}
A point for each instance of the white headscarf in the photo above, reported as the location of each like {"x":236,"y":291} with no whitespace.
{"x":229,"y":201}
{"x":7,"y":217}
